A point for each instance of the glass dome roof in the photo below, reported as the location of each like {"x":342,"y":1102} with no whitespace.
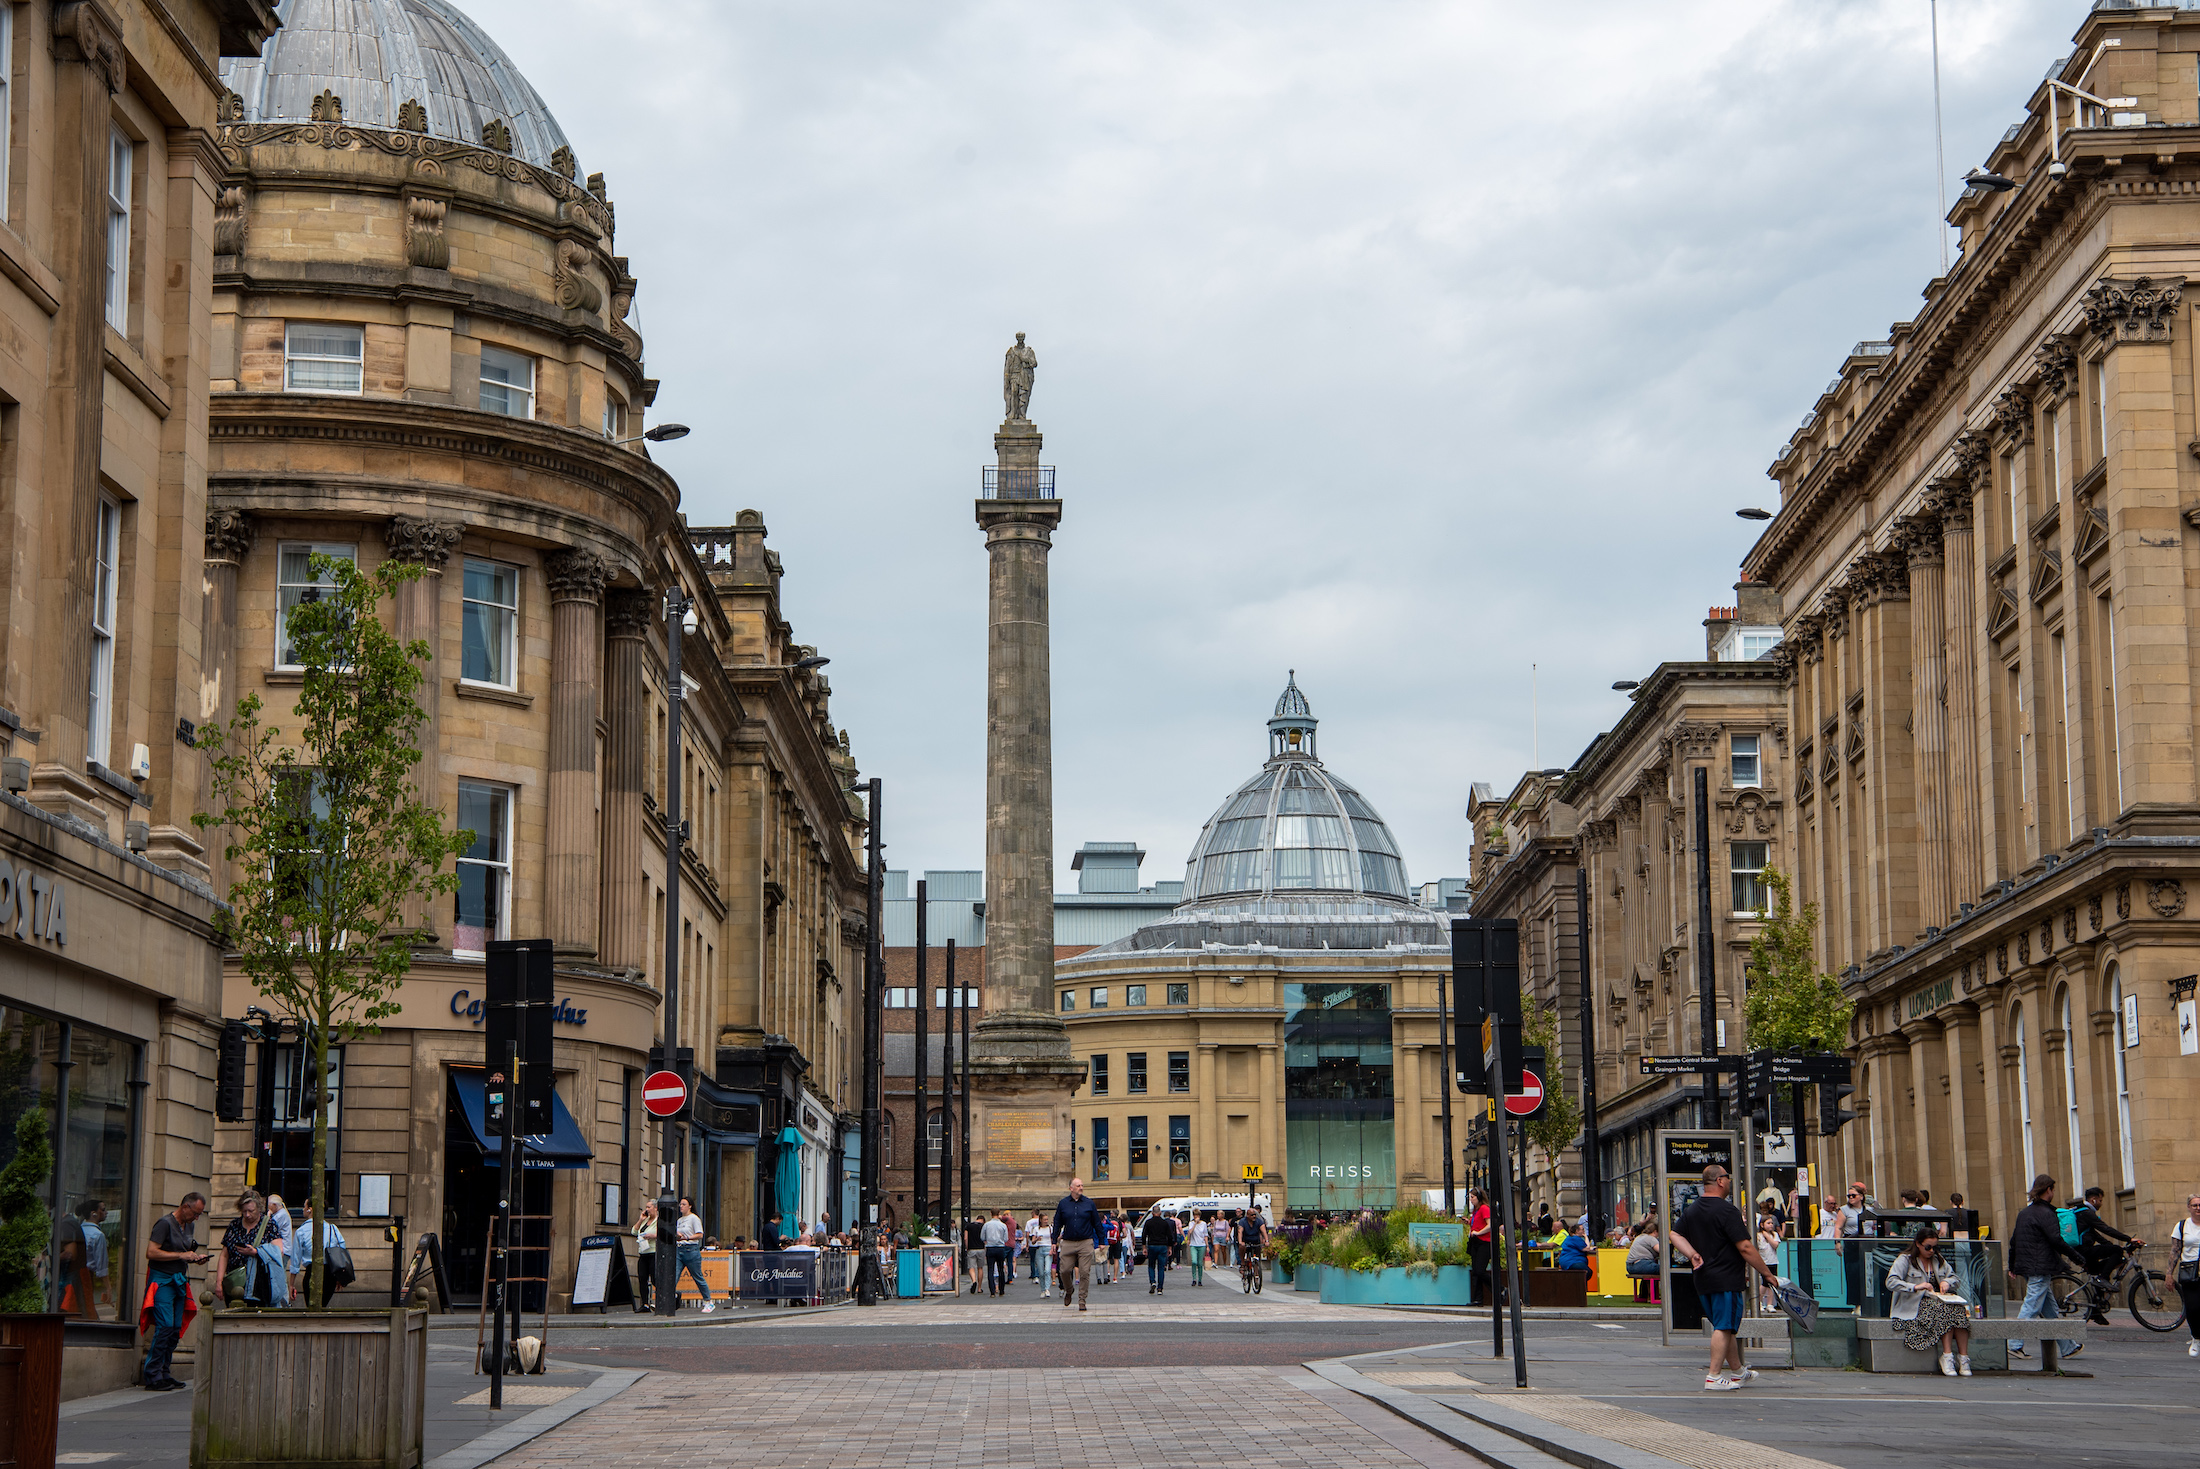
{"x":1294,"y":828}
{"x":377,"y":55}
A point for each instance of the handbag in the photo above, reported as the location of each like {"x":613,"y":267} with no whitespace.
{"x":2188,"y":1271}
{"x":337,"y":1269}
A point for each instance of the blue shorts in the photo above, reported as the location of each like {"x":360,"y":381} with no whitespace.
{"x":1723,"y":1309}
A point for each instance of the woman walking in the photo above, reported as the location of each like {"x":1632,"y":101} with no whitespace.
{"x":645,"y":1247}
{"x":1201,"y":1229}
{"x":1929,"y":1303}
{"x":2185,"y":1269}
{"x":1478,"y":1248}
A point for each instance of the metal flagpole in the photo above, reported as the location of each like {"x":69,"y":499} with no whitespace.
{"x":923,"y":1169}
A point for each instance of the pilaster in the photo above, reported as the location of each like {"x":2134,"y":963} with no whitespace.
{"x":625,"y":919}
{"x":573,"y":875}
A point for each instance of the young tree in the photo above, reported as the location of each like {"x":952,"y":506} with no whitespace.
{"x":1560,"y":1123}
{"x":329,"y":839}
{"x":1792,"y":1005}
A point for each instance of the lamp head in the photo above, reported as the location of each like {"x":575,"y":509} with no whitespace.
{"x":1753,"y":513}
{"x":665,"y":433}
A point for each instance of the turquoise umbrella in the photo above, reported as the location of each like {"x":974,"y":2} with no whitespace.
{"x":789,"y":1182}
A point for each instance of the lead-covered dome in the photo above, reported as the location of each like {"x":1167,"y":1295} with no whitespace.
{"x":377,"y":55}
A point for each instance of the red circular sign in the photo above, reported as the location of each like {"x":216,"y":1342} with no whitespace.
{"x":1531,"y":1094}
{"x":663,"y":1093}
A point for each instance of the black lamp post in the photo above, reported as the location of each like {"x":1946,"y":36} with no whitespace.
{"x":874,"y":955}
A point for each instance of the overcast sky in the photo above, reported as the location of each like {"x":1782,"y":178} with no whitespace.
{"x":1405,"y":344}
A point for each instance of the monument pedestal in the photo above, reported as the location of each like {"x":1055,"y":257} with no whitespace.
{"x":1022,"y":1077}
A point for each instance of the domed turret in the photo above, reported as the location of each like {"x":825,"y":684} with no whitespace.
{"x":379,"y":57}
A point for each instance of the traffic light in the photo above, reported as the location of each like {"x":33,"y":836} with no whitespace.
{"x":229,"y":1073}
{"x":1468,"y":945}
{"x":1832,"y":1116}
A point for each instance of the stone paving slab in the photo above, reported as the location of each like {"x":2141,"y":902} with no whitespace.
{"x":1004,"y":1419}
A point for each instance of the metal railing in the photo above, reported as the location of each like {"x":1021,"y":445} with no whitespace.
{"x":1018,"y":484}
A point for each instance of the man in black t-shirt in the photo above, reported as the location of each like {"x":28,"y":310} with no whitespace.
{"x":168,"y":1305}
{"x":1716,"y":1240}
{"x":2100,"y":1242}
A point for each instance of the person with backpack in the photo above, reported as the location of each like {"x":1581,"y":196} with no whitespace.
{"x":2184,"y":1270}
{"x":2099,"y":1241}
{"x":2036,"y":1241}
{"x":1158,"y":1234}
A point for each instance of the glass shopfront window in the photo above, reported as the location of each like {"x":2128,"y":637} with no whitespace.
{"x":1339,"y":1121}
{"x":90,"y":1191}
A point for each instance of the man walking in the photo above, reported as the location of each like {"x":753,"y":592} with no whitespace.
{"x":168,"y":1305}
{"x":1158,"y":1234}
{"x":2034,"y":1242}
{"x":1000,"y":1254}
{"x":1077,"y":1229}
{"x":1716,"y":1240}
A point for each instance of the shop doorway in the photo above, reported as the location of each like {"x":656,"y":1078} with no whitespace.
{"x":469,"y":1205}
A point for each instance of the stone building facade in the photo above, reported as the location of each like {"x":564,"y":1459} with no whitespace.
{"x":1986,"y":559}
{"x":110,"y":983}
{"x":420,"y":350}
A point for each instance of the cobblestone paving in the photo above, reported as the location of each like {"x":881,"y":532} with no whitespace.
{"x":1216,"y":1301}
{"x":1642,"y":1431}
{"x":984,"y":1420}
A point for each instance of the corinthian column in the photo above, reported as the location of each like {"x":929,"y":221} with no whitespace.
{"x":1951,"y":500}
{"x":572,"y":881}
{"x":626,"y":701}
{"x":416,"y":613}
{"x":1929,"y":718}
{"x":229,"y":535}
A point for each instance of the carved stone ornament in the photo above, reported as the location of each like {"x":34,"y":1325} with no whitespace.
{"x":2024,"y":949}
{"x":576,"y":575}
{"x":2057,"y":359}
{"x":1974,"y":455}
{"x":1696,"y":741}
{"x":2123,"y":900}
{"x":1921,"y":540}
{"x":83,"y":32}
{"x":328,"y":107}
{"x":1834,"y":614}
{"x":2001,"y":958}
{"x":495,"y":136}
{"x":1782,"y":658}
{"x":229,"y":535}
{"x":2093,"y":912}
{"x":229,"y":220}
{"x":416,"y":538}
{"x":425,"y":243}
{"x":2047,"y":939}
{"x":1949,"y":498}
{"x":2141,"y":310}
{"x":627,"y":614}
{"x":1752,"y":816}
{"x":576,"y":292}
{"x":2166,"y":896}
{"x":411,"y":116}
{"x":2013,"y":414}
{"x":2070,"y":924}
{"x":426,"y":155}
{"x":228,"y":107}
{"x":564,"y":162}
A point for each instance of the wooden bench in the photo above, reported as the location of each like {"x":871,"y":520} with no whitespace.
{"x":1882,"y":1348}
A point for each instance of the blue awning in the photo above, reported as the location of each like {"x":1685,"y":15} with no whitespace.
{"x":562,"y":1147}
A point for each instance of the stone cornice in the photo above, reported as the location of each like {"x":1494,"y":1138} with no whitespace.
{"x":1657,"y":704}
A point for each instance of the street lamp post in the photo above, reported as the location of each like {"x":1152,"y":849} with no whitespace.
{"x":867,"y":1272}
{"x":679,"y":618}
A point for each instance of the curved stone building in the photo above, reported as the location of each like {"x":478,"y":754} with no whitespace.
{"x":1285,"y":1013}
{"x":421,"y":351}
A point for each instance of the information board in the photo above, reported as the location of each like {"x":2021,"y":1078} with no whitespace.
{"x":1019,"y":1140}
{"x":939,"y":1270}
{"x":599,"y":1276}
{"x":1682,"y":1158}
{"x":1436,"y":1236}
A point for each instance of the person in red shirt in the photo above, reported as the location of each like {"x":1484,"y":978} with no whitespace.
{"x":1479,"y":1239}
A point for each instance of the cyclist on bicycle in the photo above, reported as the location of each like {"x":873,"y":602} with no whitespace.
{"x":1252,"y":1235}
{"x":2100,"y":1242}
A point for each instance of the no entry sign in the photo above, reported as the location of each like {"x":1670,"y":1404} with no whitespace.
{"x":1530,"y":1100}
{"x":664,"y":1094}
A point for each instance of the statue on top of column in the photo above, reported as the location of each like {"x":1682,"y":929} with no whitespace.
{"x":1017,"y":371}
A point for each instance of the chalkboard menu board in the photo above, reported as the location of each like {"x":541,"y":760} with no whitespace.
{"x":599,"y":1276}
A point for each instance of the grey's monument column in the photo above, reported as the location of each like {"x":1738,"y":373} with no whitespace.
{"x":1022,"y":1074}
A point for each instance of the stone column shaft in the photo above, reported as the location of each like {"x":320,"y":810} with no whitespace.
{"x":573,"y":885}
{"x":229,"y":535}
{"x":1959,"y":590}
{"x":625,"y":927}
{"x":1929,"y":714}
{"x":416,"y":613}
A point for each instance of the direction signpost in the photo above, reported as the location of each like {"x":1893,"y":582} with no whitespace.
{"x":1253,"y":1174}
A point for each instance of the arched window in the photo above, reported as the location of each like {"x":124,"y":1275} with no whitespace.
{"x":2024,"y":1094}
{"x":2070,"y":1099}
{"x":2120,"y":1042}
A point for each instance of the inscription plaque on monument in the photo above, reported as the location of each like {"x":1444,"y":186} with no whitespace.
{"x":1019,"y":1139}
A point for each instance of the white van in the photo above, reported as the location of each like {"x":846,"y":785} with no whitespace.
{"x":1184,"y":1210}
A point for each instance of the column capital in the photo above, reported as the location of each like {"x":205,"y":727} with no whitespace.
{"x":1919,"y":537}
{"x":627,"y":613}
{"x":1949,"y":498}
{"x":576,"y":575}
{"x":229,"y":535}
{"x":2138,"y":310}
{"x":419,"y":539}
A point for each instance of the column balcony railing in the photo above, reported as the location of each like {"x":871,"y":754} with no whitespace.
{"x":1018,"y":484}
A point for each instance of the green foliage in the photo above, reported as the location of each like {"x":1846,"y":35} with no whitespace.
{"x":1562,"y":1117}
{"x":1290,"y":1257}
{"x":1351,"y":1246}
{"x":330,"y":843}
{"x":1792,"y":1005}
{"x":26,"y":1229}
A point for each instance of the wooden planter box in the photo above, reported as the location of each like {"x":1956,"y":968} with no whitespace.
{"x":281,"y":1387}
{"x":30,"y":1386}
{"x":1555,"y":1287}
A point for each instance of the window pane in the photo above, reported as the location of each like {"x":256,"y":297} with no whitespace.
{"x":1134,"y":1068}
{"x":1069,"y":999}
{"x":489,"y":623}
{"x":483,"y":873}
{"x":1747,"y":865}
{"x":507,"y":383}
{"x":1180,"y":994}
{"x":1134,"y":994}
{"x":1180,"y":1071}
{"x":1099,"y":1000}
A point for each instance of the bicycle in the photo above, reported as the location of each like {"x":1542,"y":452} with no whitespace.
{"x":2145,"y":1294}
{"x":1249,"y":1271}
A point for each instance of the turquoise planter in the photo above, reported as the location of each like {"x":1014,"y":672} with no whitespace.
{"x":1350,"y":1288}
{"x":1308,"y":1278}
{"x":1277,"y":1275}
{"x":1454,"y":1286}
{"x":1448,"y":1286}
{"x":1407,"y":1288}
